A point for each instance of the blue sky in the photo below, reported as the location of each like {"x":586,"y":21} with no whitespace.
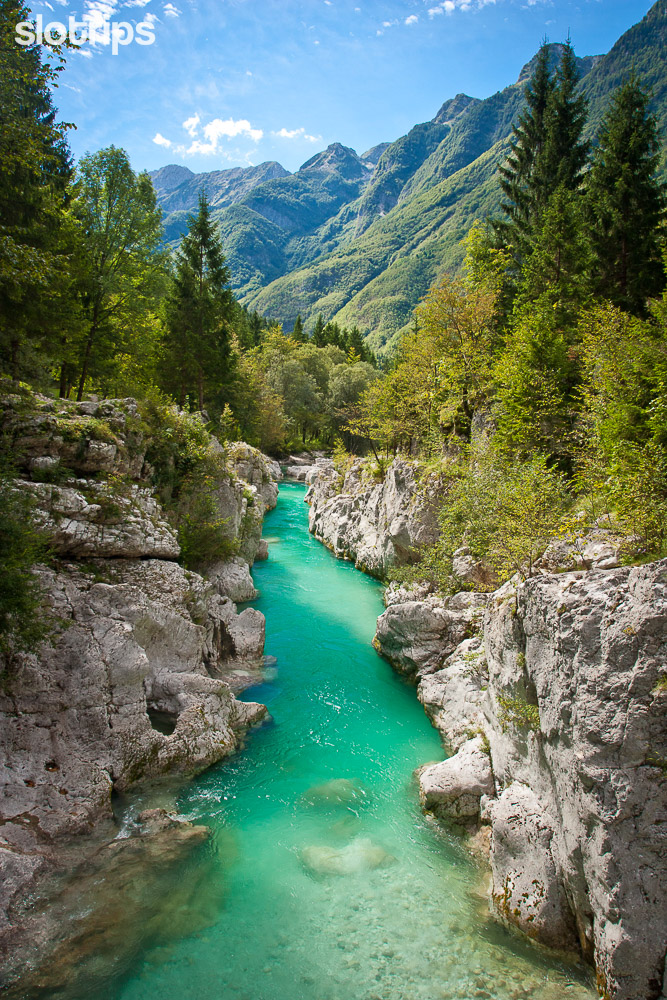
{"x":232,"y":82}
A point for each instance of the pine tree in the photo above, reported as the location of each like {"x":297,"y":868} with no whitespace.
{"x":561,"y":160}
{"x":356,"y":344}
{"x":530,"y":135}
{"x":318,"y":337}
{"x":36,"y":298}
{"x":199,"y":310}
{"x":548,"y":152}
{"x":626,"y":202}
{"x":298,"y":332}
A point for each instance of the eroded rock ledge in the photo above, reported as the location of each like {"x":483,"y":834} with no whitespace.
{"x":554,"y":711}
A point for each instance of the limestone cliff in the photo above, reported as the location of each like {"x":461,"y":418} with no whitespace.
{"x":374,"y":524}
{"x":137,"y":676}
{"x":550,"y":695}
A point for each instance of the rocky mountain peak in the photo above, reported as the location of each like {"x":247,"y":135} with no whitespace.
{"x":584,"y":64}
{"x":170,"y":177}
{"x":454,"y":108}
{"x":339,"y":159}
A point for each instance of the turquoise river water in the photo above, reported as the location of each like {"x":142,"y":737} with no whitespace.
{"x":343,"y":891}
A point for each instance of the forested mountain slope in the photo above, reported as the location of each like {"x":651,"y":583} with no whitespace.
{"x":360,"y":239}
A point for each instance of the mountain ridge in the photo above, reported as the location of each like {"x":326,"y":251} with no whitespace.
{"x":361,"y":238}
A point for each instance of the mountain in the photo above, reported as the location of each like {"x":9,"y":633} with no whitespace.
{"x":361,"y":238}
{"x":178,"y":189}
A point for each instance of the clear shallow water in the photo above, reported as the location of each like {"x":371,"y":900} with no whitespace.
{"x":305,"y":898}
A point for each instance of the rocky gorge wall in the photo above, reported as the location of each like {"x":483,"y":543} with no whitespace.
{"x":138,"y":676}
{"x":550,"y":697}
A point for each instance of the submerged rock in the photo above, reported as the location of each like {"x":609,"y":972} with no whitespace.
{"x":360,"y":855}
{"x":338,"y":791}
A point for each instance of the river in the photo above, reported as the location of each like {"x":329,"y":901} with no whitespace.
{"x":324,"y":881}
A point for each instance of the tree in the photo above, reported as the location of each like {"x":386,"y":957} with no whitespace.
{"x":122,"y":266}
{"x":199,"y":311}
{"x":504,"y":512}
{"x":626,"y":202}
{"x":298,"y":333}
{"x":547,"y":151}
{"x":318,"y":337}
{"x":528,"y":141}
{"x":560,"y":162}
{"x":36,"y":236}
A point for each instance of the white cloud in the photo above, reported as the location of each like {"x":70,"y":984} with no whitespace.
{"x":412,"y":19}
{"x":191,"y":125}
{"x":171,"y":10}
{"x":449,"y":6}
{"x":296,"y":133}
{"x":229,"y":129}
{"x":160,"y":140}
{"x":209,"y":143}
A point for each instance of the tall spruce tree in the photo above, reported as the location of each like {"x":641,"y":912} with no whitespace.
{"x":199,"y":312}
{"x":319,"y":338}
{"x":548,"y":152}
{"x":561,"y":160}
{"x":625,"y":202}
{"x":530,"y":135}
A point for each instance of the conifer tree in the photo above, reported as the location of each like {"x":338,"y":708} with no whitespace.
{"x":36,"y":299}
{"x":548,"y":152}
{"x":298,"y":332}
{"x":199,"y":310}
{"x":626,"y":202}
{"x":561,"y":160}
{"x":529,"y":139}
{"x":318,"y":337}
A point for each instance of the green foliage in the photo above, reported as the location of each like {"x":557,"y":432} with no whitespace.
{"x":518,"y":713}
{"x":625,"y":202}
{"x":188,"y":469}
{"x":504,"y":512}
{"x":625,"y":375}
{"x":23,"y":621}
{"x":37,"y":234}
{"x":122,"y":263}
{"x":199,"y":310}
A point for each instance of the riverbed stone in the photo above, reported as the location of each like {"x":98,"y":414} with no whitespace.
{"x":361,"y":854}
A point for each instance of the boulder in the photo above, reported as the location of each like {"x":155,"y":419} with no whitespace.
{"x":418,"y":636}
{"x":453,"y":788}
{"x":361,"y":855}
{"x":232,"y":579}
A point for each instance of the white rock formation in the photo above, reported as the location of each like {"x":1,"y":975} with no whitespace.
{"x":567,"y":684}
{"x":454,"y":787}
{"x":376,"y":525}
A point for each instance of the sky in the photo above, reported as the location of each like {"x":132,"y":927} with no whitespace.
{"x":230,"y":83}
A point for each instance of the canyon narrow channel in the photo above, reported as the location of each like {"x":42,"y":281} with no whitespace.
{"x":325,"y":881}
